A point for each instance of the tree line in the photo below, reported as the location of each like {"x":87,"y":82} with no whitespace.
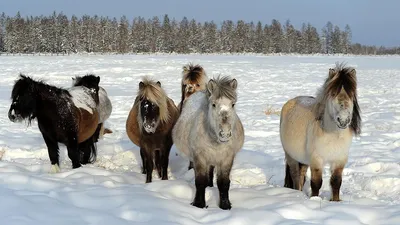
{"x":58,"y":33}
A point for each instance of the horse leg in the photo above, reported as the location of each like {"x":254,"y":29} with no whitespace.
{"x":288,"y":178}
{"x":223,"y":182}
{"x":201,"y":181}
{"x":52,"y":148}
{"x":149,"y":165}
{"x":74,"y":153}
{"x":336,"y":182}
{"x":211,"y":176}
{"x":294,"y":171}
{"x":316,"y":179}
{"x":303,"y":171}
{"x":165,"y":160}
{"x":157,"y":160}
{"x":144,"y":160}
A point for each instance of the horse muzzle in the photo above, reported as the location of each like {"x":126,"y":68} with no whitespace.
{"x":149,"y":128}
{"x":224,"y":136}
{"x":190,"y":89}
{"x":343,"y":124}
{"x":12,"y":116}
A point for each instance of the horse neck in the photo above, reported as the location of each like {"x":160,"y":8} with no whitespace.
{"x":47,"y":93}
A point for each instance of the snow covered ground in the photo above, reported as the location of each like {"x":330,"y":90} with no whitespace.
{"x":112,"y":191}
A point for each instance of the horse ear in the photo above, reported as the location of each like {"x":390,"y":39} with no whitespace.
{"x":98,"y":80}
{"x":141,"y":84}
{"x":233,"y":84}
{"x":332,"y":73}
{"x":159,"y":83}
{"x":352,"y":72}
{"x":73,"y":79}
{"x":211,"y":86}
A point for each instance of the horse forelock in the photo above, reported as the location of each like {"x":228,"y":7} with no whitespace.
{"x":223,"y":89}
{"x":344,"y":77}
{"x":193,"y":74}
{"x":155,"y":94}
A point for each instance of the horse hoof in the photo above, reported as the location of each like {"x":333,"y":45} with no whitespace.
{"x":225,"y":205}
{"x":107,"y":131}
{"x":335,"y":200}
{"x":54,"y":169}
{"x":199,"y":204}
{"x":76,"y":166}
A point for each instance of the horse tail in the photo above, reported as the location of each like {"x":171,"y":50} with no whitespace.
{"x":93,"y":152}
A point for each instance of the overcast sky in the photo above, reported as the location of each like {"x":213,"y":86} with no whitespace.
{"x":372,"y":22}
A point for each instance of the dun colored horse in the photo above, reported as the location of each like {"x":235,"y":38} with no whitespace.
{"x":319,"y":131}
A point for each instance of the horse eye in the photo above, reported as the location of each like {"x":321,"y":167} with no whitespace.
{"x":198,"y":85}
{"x":213,"y":105}
{"x":233,"y":105}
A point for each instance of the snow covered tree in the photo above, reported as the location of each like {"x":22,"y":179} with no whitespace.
{"x":267,"y":43}
{"x":227,"y":36}
{"x":154,"y":34}
{"x":74,"y":42}
{"x":57,"y":33}
{"x":208,"y":41}
{"x":138,"y":35}
{"x":336,"y":40}
{"x":258,"y":43}
{"x":123,"y":35}
{"x":239,"y":44}
{"x":2,"y":31}
{"x":183,"y":35}
{"x":327,"y":38}
{"x":346,"y":39}
{"x":291,"y":39}
{"x":195,"y":32}
{"x":276,"y":37}
{"x":167,"y":35}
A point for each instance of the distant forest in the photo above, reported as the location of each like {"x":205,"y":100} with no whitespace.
{"x":58,"y":33}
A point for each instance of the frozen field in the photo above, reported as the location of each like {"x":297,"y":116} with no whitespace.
{"x":113,"y":191}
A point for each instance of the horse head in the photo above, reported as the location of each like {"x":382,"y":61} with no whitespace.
{"x":153,"y":109}
{"x":23,"y":97}
{"x":222,"y":97}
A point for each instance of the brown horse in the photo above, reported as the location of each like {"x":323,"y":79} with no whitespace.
{"x":319,"y":131}
{"x":194,"y":79}
{"x":149,"y":126}
{"x":66,"y":116}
